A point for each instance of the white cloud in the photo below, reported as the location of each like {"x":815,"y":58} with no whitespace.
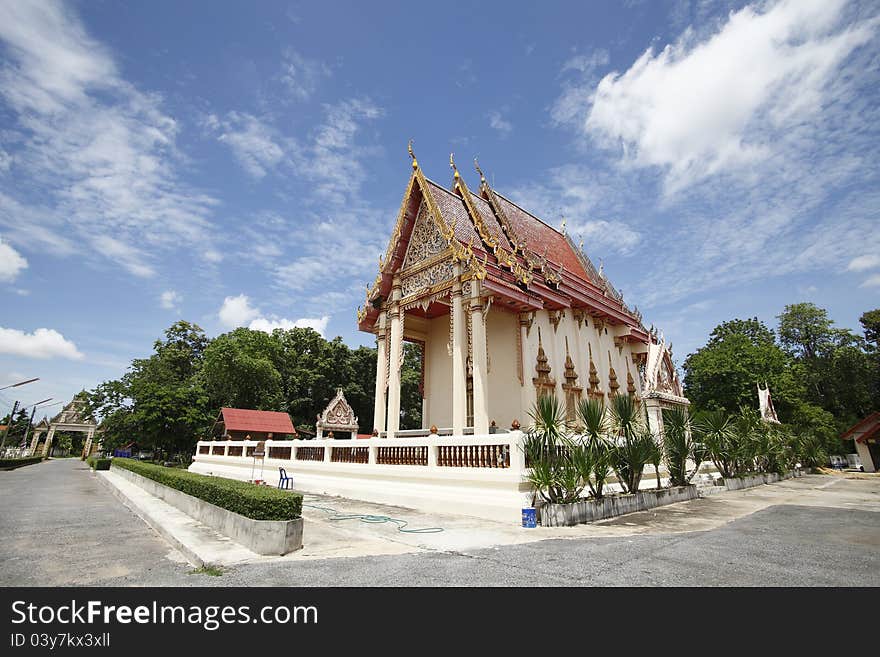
{"x":101,"y":152}
{"x":301,"y":75}
{"x":5,"y":161}
{"x":253,"y":142}
{"x":237,"y":311}
{"x":498,"y":123}
{"x":11,"y":263}
{"x":42,"y":343}
{"x":864,"y":262}
{"x":318,"y":324}
{"x":587,"y":63}
{"x":128,"y":256}
{"x":698,"y":108}
{"x":170,"y":300}
{"x":872,"y":281}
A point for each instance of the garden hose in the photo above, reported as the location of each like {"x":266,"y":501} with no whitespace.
{"x":373,"y":519}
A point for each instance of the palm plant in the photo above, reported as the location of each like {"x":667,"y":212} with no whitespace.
{"x":633,"y":446}
{"x":810,"y":451}
{"x":715,"y":432}
{"x":594,"y":420}
{"x":678,"y":446}
{"x":560,"y":466}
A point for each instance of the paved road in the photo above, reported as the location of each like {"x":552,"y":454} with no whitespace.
{"x":73,"y":532}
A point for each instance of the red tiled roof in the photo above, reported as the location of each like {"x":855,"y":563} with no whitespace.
{"x":867,"y":427}
{"x":542,"y":239}
{"x":454,"y":211}
{"x":242,"y":419}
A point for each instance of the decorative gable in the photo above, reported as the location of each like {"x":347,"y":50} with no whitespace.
{"x":426,"y":239}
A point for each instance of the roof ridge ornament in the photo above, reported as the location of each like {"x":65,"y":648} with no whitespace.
{"x":409,"y":148}
{"x":480,"y":171}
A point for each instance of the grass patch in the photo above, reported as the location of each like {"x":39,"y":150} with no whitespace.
{"x":209,"y":570}
{"x":249,"y":500}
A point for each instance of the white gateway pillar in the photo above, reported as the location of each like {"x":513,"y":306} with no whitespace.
{"x":381,"y":374}
{"x":394,"y":365}
{"x":459,"y":357}
{"x":480,"y":362}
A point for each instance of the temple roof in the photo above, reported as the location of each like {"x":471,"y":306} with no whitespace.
{"x":244,"y":419}
{"x":538,"y":265}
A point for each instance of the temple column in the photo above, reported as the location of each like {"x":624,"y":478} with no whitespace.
{"x":396,"y":350}
{"x":381,"y":374}
{"x":480,"y":364}
{"x":35,"y":441}
{"x":459,"y":357}
{"x":48,"y":446}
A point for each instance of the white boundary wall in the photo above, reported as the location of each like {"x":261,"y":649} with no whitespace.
{"x":472,"y":475}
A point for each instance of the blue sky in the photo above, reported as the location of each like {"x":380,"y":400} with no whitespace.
{"x":241,"y":164}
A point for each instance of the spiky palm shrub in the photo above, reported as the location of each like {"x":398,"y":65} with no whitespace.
{"x":810,"y":451}
{"x":633,"y":445}
{"x":559,"y":465}
{"x":594,"y":420}
{"x":715,"y":432}
{"x":678,"y":446}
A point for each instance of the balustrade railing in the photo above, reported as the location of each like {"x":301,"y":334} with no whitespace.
{"x":402,"y":455}
{"x":350,"y":455}
{"x":500,"y":451}
{"x":309,"y":453}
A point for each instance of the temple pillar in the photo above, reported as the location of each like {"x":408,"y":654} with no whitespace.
{"x":48,"y":446}
{"x":396,"y":351}
{"x":35,"y":441}
{"x":480,"y":363}
{"x":459,"y":357}
{"x":381,"y":375}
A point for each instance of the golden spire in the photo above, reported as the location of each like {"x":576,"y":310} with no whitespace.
{"x":415,"y":163}
{"x":454,"y":168}
{"x":480,"y":171}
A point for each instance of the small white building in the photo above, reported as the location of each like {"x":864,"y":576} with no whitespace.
{"x":866,"y":436}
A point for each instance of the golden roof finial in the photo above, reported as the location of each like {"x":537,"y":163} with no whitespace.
{"x":415,"y":163}
{"x":454,"y":168}
{"x":479,"y":171}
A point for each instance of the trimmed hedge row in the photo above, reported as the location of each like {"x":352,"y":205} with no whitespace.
{"x":249,"y":500}
{"x":98,"y":463}
{"x":11,"y":464}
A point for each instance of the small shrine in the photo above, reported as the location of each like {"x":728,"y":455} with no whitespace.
{"x":337,"y":418}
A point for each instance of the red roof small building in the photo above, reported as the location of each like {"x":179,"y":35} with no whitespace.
{"x":866,"y":436}
{"x":243,"y":423}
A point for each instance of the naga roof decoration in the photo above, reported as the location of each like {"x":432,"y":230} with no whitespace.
{"x":516,"y":254}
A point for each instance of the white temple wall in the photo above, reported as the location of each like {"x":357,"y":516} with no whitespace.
{"x":437,"y":408}
{"x":504,"y":388}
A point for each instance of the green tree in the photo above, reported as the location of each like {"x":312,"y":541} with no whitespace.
{"x":239,"y":371}
{"x":411,"y":387}
{"x":740,"y":353}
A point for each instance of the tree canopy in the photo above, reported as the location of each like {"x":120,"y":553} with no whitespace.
{"x":823,"y":379}
{"x":170,"y":399}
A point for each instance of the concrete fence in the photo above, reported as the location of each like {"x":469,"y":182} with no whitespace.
{"x":471,"y":475}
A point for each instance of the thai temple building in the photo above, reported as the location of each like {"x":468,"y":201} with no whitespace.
{"x":506,"y":308}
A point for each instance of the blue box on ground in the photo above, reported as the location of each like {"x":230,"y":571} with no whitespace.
{"x":529,"y":518}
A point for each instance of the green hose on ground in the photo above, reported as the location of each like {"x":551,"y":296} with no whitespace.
{"x":373,"y":519}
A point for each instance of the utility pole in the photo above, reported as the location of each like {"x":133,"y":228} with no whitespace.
{"x":31,"y":421}
{"x":9,"y":424}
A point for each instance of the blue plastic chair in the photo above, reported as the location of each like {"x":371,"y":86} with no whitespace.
{"x":284,"y":482}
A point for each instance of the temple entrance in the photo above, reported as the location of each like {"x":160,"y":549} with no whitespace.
{"x":70,"y":419}
{"x":412,"y":385}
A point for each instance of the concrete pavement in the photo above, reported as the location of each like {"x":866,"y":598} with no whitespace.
{"x":817,"y":530}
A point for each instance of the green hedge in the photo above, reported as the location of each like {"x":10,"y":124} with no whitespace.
{"x":99,"y":463}
{"x":11,"y":464}
{"x":249,"y":500}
